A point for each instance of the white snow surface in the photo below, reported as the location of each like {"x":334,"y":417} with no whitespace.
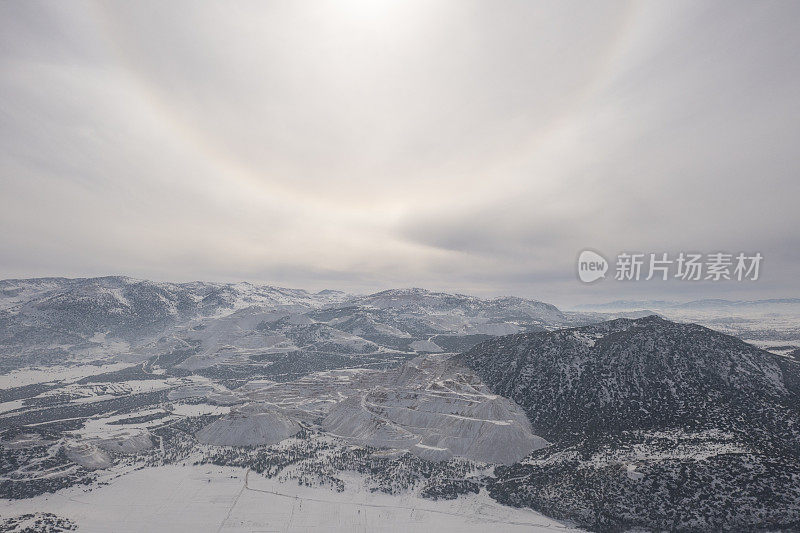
{"x":29,"y":376}
{"x":200,"y":499}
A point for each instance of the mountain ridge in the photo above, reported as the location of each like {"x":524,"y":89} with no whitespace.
{"x":654,"y":424}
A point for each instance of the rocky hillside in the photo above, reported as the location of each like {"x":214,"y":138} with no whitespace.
{"x":654,"y":424}
{"x":643,"y":374}
{"x":436,"y":411}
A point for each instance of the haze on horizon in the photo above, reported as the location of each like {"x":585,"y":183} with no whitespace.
{"x":467,"y":146}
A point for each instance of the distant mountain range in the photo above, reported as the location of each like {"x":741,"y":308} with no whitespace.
{"x":711,"y":303}
{"x":287,"y":332}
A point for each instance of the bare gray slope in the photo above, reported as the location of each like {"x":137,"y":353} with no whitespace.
{"x":251,"y":425}
{"x":436,"y":410}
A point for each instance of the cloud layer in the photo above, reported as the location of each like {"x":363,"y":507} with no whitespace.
{"x":364,"y":144}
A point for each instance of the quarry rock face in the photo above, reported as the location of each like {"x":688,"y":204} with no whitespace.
{"x":251,"y":425}
{"x":127,"y":443}
{"x":435,"y":410}
{"x":88,"y":455}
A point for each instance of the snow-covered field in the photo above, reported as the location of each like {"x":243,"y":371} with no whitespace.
{"x":67,"y":374}
{"x":220,"y":499}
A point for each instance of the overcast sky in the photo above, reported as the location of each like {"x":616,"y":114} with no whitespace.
{"x":363,"y":144}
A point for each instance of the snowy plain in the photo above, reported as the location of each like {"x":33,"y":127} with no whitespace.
{"x":206,"y":498}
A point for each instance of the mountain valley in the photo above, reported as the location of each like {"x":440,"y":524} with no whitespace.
{"x":550,"y":419}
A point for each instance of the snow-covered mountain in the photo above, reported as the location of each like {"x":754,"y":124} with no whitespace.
{"x":198,"y":325}
{"x":708,"y":303}
{"x":422,"y":301}
{"x":56,"y":319}
{"x":772,"y":324}
{"x":407,"y":393}
{"x":658,"y":424}
{"x":639,"y":374}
